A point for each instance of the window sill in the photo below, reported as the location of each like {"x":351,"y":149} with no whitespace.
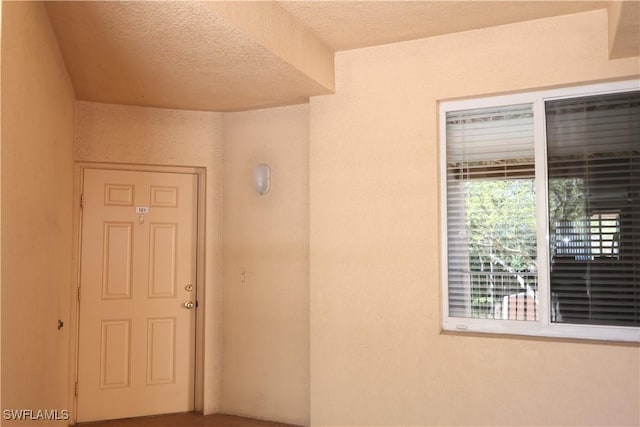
{"x":539,"y":329}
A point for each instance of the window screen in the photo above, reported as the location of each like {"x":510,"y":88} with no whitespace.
{"x":593,"y":161}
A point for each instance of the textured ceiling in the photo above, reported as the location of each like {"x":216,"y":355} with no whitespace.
{"x":172,"y":55}
{"x":231,"y":56}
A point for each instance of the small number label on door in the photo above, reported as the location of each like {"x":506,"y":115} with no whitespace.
{"x":142,"y":210}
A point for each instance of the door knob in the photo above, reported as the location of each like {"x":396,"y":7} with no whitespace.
{"x":188,"y":304}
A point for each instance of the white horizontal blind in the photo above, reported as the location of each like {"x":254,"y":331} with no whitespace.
{"x":491,"y":213}
{"x":593,"y":150}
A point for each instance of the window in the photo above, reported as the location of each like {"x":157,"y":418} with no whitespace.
{"x":541,"y":213}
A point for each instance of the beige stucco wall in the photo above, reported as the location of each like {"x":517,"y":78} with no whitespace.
{"x":150,"y":136}
{"x":266,"y":273}
{"x":37,"y":171}
{"x":1,"y":5}
{"x":377,"y":354}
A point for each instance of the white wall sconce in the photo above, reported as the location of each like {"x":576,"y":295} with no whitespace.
{"x":262,"y":178}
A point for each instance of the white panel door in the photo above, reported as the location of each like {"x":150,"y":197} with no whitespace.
{"x":137,"y":282}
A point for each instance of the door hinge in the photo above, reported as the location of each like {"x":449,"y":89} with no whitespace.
{"x":78,"y":293}
{"x":75,"y":389}
{"x":82,"y":201}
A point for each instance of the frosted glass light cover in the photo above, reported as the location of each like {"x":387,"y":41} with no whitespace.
{"x":262,"y":178}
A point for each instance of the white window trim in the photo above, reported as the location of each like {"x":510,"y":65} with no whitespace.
{"x":542,"y":327}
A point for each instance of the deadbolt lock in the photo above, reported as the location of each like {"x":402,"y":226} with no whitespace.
{"x":188,"y":288}
{"x":189,"y":304}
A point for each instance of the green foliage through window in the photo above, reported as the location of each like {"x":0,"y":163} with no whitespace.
{"x":501,"y":226}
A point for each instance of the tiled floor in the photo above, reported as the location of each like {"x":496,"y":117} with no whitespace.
{"x":189,"y":419}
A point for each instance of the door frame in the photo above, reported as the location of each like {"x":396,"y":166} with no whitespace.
{"x":74,"y":315}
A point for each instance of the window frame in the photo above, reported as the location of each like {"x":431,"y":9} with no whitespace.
{"x":543,"y":326}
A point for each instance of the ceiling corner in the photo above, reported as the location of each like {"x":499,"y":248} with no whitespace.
{"x":624,"y":29}
{"x":271,"y":26}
